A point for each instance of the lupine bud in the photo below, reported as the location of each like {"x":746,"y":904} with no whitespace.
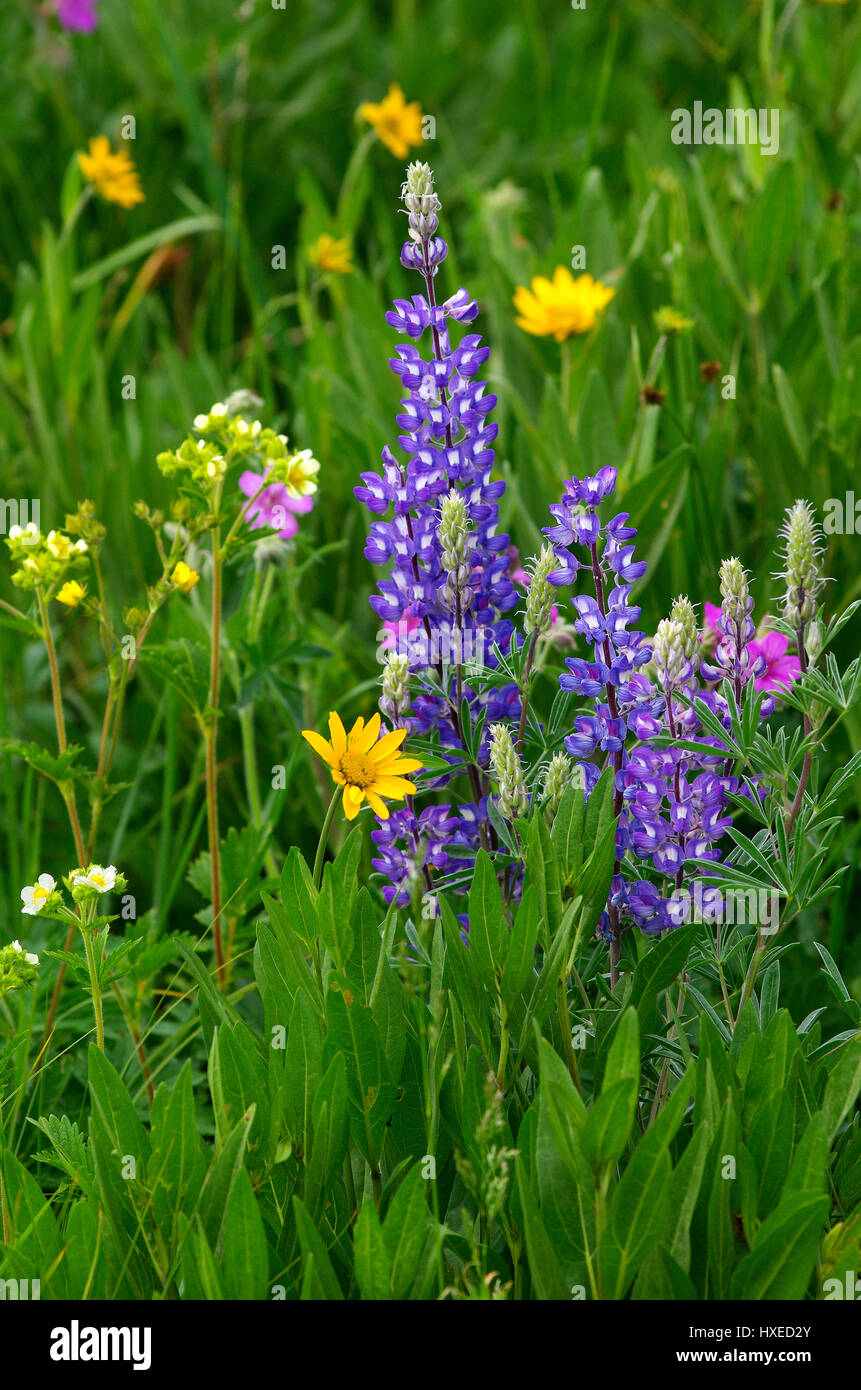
{"x":682,"y":612}
{"x":395,"y":699}
{"x":668,"y":653}
{"x":559,"y":774}
{"x":540,"y":596}
{"x":734,"y":590}
{"x":814,"y":640}
{"x":513,"y":798}
{"x":802,"y":558}
{"x":455,"y":541}
{"x":421,"y":201}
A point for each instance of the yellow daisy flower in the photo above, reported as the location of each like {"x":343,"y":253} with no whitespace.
{"x":71,"y":593}
{"x":397,"y":122}
{"x":332,"y":253}
{"x":561,"y":306}
{"x":113,"y":175}
{"x":366,"y":766}
{"x":184,"y":577}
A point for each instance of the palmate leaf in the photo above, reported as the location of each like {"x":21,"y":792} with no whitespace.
{"x":184,"y":664}
{"x":58,"y":766}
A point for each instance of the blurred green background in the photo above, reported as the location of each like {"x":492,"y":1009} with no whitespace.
{"x":552,"y":129}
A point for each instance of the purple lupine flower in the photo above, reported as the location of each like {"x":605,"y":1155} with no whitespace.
{"x":442,"y":619}
{"x":78,"y":15}
{"x":671,"y":803}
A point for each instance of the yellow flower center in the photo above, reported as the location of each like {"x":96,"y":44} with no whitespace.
{"x":39,"y":893}
{"x":97,"y":879}
{"x":357,"y":769}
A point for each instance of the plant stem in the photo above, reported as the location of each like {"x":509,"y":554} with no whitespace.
{"x":324,"y":838}
{"x":211,"y":749}
{"x":94,"y":986}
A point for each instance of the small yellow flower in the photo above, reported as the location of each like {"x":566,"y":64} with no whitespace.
{"x":113,"y":175}
{"x":299,"y":474}
{"x":669,"y":321}
{"x":561,"y":306}
{"x":183,"y":577}
{"x":366,"y":766}
{"x":71,"y":593}
{"x":332,"y":253}
{"x":397,"y":122}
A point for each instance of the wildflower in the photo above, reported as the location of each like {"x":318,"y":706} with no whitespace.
{"x":453,"y":534}
{"x":802,"y":558}
{"x":113,"y":175}
{"x":274,"y":509}
{"x":29,"y":956}
{"x":670,"y":322}
{"x":332,"y":253}
{"x":17,"y":967}
{"x":558,"y":775}
{"x":779,"y":669}
{"x":539,"y":599}
{"x":366,"y":766}
{"x":397,"y":122}
{"x":103,"y":880}
{"x":709,"y":371}
{"x":513,"y":797}
{"x":562,"y":306}
{"x":35,"y":897}
{"x":77,"y":15}
{"x":395,"y":699}
{"x":446,"y":434}
{"x":299,"y":473}
{"x":71,"y":593}
{"x":62,"y":547}
{"x":184,"y":577}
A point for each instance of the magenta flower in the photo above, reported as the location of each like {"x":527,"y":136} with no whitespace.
{"x":401,"y":627}
{"x":274,"y":509}
{"x":780,"y":670}
{"x":79,"y":15}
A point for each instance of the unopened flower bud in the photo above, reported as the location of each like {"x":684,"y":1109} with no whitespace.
{"x":802,"y":558}
{"x":734,"y":590}
{"x":558,"y":775}
{"x":668,"y":652}
{"x":539,"y":598}
{"x":395,"y":699}
{"x":814,"y":640}
{"x":513,"y":797}
{"x":420,"y":201}
{"x":682,"y":612}
{"x":456,"y":544}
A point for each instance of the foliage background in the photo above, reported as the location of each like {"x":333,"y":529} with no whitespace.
{"x":552,"y":129}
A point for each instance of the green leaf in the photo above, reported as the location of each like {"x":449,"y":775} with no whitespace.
{"x":843,"y":1087}
{"x":245,"y":1263}
{"x":351,"y":1030}
{"x":784,"y":1251}
{"x":405,"y":1230}
{"x":609,"y":1122}
{"x":371,"y":1260}
{"x":548,"y":1278}
{"x":316,"y":1254}
{"x":488,"y":930}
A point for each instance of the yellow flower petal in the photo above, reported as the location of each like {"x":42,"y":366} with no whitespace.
{"x":338,"y":735}
{"x":320,"y":746}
